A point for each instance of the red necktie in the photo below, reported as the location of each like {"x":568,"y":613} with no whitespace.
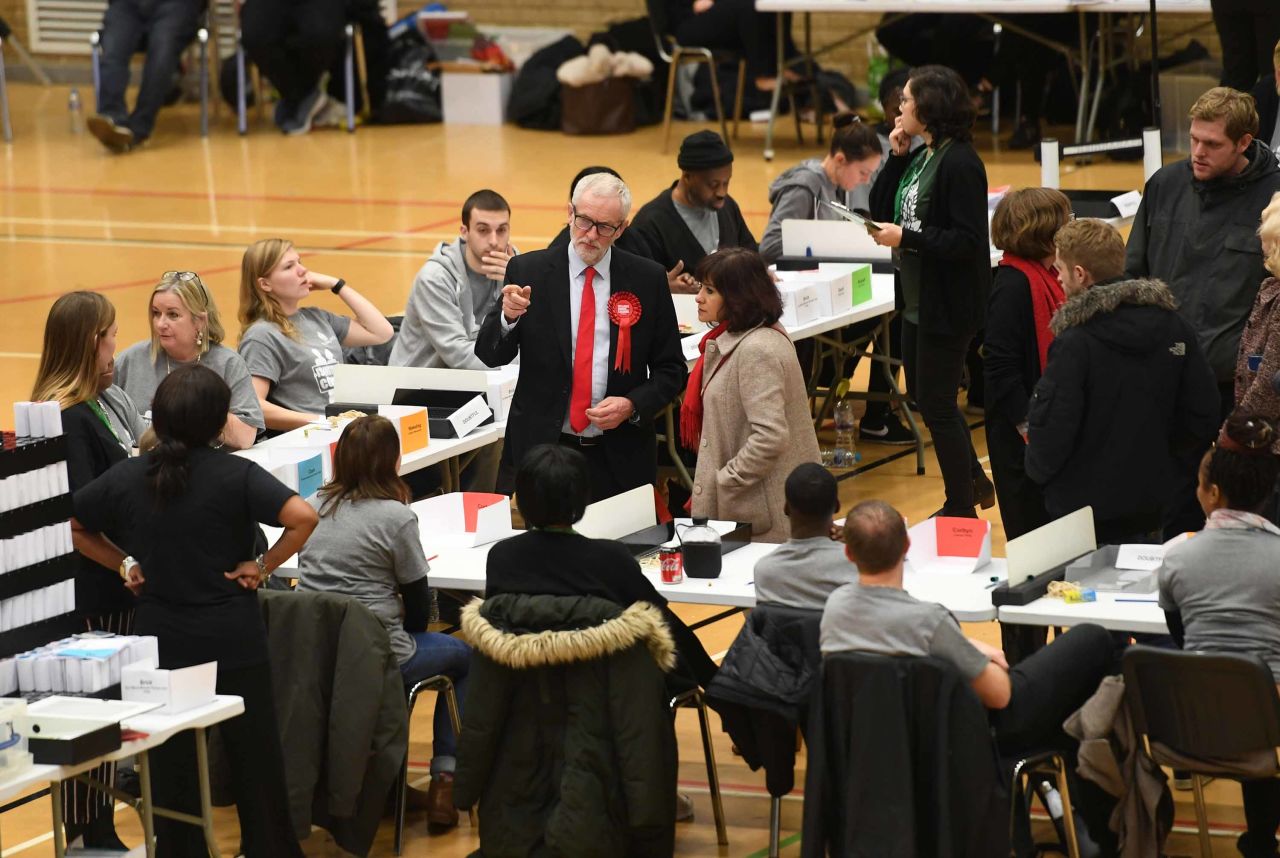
{"x":580,"y":399}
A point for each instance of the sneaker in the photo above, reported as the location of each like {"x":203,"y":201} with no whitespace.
{"x":684,"y":808}
{"x":300,"y":122}
{"x":118,"y":138}
{"x":888,"y":430}
{"x":332,"y":115}
{"x":441,"y":814}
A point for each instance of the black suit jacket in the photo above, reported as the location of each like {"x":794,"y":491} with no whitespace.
{"x":542,"y":339}
{"x":670,"y":239}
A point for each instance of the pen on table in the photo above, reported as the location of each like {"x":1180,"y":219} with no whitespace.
{"x":432,"y":557}
{"x":1140,"y":601}
{"x":994,"y":583}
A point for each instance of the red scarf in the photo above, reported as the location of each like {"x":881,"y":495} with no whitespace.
{"x":691,"y":410}
{"x":1046,"y":297}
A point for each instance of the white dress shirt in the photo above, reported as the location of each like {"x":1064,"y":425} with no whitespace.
{"x":600,"y":351}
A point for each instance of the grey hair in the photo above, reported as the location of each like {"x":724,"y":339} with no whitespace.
{"x":603,"y":185}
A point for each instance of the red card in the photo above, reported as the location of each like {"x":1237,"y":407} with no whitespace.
{"x":960,"y":537}
{"x":472,"y":503}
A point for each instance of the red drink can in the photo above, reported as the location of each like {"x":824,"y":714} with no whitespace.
{"x":672,"y":565}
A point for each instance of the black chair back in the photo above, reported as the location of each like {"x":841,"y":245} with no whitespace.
{"x":657,"y":12}
{"x":1206,"y":705}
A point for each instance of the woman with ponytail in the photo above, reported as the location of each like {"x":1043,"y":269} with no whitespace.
{"x":746,"y":409}
{"x":1220,"y":590}
{"x":188,"y":513}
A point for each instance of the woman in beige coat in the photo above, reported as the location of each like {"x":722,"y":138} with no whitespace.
{"x":746,"y":410}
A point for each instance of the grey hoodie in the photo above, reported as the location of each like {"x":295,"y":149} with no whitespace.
{"x":798,"y":194}
{"x":447,"y":305}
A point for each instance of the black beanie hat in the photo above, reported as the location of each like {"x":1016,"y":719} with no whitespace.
{"x":703,"y":150}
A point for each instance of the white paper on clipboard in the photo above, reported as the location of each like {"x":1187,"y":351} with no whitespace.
{"x":850,"y":215}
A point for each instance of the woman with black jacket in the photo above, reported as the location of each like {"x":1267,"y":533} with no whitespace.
{"x":933,"y":204}
{"x":101,"y":426}
{"x":1024,"y":296}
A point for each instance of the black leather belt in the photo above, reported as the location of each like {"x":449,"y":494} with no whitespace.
{"x":579,"y":440}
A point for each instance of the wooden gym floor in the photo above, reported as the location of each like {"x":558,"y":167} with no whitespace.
{"x":370,"y":207}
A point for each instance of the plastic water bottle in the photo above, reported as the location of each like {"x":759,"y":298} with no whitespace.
{"x":76,"y":111}
{"x":846,"y":452}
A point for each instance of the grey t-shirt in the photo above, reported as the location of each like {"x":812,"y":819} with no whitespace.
{"x":301,"y":370}
{"x":139,"y":375}
{"x":703,"y":223}
{"x":1226,"y":584}
{"x":802,"y":573}
{"x":889,"y":621}
{"x":366,"y":549}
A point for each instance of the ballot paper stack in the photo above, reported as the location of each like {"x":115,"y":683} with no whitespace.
{"x":84,"y":664}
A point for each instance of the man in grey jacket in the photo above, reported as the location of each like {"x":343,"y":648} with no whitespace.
{"x":1197,"y":227}
{"x":456,"y":287}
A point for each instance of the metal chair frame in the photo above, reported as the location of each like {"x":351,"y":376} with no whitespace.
{"x":695,"y":699}
{"x":1050,"y":765}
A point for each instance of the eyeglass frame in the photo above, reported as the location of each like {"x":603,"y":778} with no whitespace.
{"x":188,"y":277}
{"x":597,"y":225}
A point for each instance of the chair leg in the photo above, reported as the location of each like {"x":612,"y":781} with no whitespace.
{"x":1068,"y":817}
{"x":349,"y":74}
{"x":402,"y":798}
{"x":1202,"y":817}
{"x":95,"y":66}
{"x":672,"y":70}
{"x":715,"y":95}
{"x":455,"y":719}
{"x":242,"y":118}
{"x":713,"y":775}
{"x":737,"y":98}
{"x":5,"y":126}
{"x":775,"y":822}
{"x":203,"y":37}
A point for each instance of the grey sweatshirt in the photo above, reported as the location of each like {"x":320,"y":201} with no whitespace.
{"x":798,"y":194}
{"x":447,"y":305}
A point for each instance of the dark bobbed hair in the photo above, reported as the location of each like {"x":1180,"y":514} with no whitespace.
{"x":188,"y":413}
{"x":1246,"y":478}
{"x":364,"y":465}
{"x":553,"y":486}
{"x":876,"y":536}
{"x":942,"y":101}
{"x":590,"y":171}
{"x":811,"y":491}
{"x":853,"y":138}
{"x":485,"y":200}
{"x":740,"y":275}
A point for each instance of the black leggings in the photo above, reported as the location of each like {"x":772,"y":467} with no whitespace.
{"x":256,"y":764}
{"x":1262,"y":816}
{"x":736,"y":25}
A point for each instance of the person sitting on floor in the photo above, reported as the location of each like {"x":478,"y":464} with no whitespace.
{"x":1220,"y":591}
{"x":1027,"y":703}
{"x":805,"y":569}
{"x":695,"y":216}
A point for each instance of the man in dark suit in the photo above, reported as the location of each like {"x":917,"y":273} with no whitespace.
{"x":599,"y":347}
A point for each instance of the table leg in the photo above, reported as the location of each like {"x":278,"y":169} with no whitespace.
{"x":1085,"y":64}
{"x":883,"y":345}
{"x":59,"y":837}
{"x":148,"y":817}
{"x":776,"y":98}
{"x":206,"y":802}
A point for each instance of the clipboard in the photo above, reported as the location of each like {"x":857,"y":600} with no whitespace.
{"x":850,"y":215}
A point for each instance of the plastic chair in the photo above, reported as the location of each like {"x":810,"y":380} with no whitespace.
{"x":208,"y":23}
{"x":694,"y":699}
{"x":440,"y":684}
{"x":1191,"y":708}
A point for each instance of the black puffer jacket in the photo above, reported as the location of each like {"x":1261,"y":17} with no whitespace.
{"x":1201,"y":238}
{"x":1126,"y":389}
{"x":567,"y":744}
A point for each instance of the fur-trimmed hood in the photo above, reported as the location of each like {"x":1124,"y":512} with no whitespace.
{"x":1106,"y":297}
{"x":524,"y":632}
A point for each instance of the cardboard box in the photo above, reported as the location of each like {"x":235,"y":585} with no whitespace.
{"x":475,"y":98}
{"x":463,"y":519}
{"x":175,"y":690}
{"x":800,"y":302}
{"x":411,"y":425}
{"x":502,"y":389}
{"x":300,"y":468}
{"x":945,"y":544}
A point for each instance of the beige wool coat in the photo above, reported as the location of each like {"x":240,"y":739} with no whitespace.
{"x":756,"y":429}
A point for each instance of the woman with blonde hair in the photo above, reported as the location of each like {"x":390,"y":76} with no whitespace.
{"x":1258,"y":360}
{"x":367,"y":546}
{"x":1025,"y":294}
{"x":291,"y":350}
{"x":101,"y":425}
{"x":186,"y":328}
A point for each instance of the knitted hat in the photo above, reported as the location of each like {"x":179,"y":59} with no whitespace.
{"x":703,"y":150}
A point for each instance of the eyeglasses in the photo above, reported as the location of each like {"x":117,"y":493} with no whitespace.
{"x":584,"y":223}
{"x":187,"y":277}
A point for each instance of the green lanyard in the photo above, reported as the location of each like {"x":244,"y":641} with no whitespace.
{"x":912,"y":176}
{"x":97,"y":409}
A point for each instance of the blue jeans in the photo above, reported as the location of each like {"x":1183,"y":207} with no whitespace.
{"x":167,"y":26}
{"x":440,"y":654}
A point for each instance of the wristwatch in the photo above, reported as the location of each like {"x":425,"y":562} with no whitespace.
{"x":261,"y":560}
{"x":337,"y":287}
{"x":125,"y":565}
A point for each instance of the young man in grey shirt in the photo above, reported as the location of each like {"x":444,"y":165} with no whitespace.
{"x":804,"y":570}
{"x":876,"y":615}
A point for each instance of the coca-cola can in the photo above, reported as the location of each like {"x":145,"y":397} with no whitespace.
{"x":672,"y":564}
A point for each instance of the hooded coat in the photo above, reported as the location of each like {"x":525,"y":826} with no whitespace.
{"x":441,"y":324}
{"x":1201,"y":238}
{"x":1126,"y":389}
{"x":568,"y":744}
{"x":799,"y":194}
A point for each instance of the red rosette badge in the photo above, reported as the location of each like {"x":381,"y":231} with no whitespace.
{"x":624,"y":311}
